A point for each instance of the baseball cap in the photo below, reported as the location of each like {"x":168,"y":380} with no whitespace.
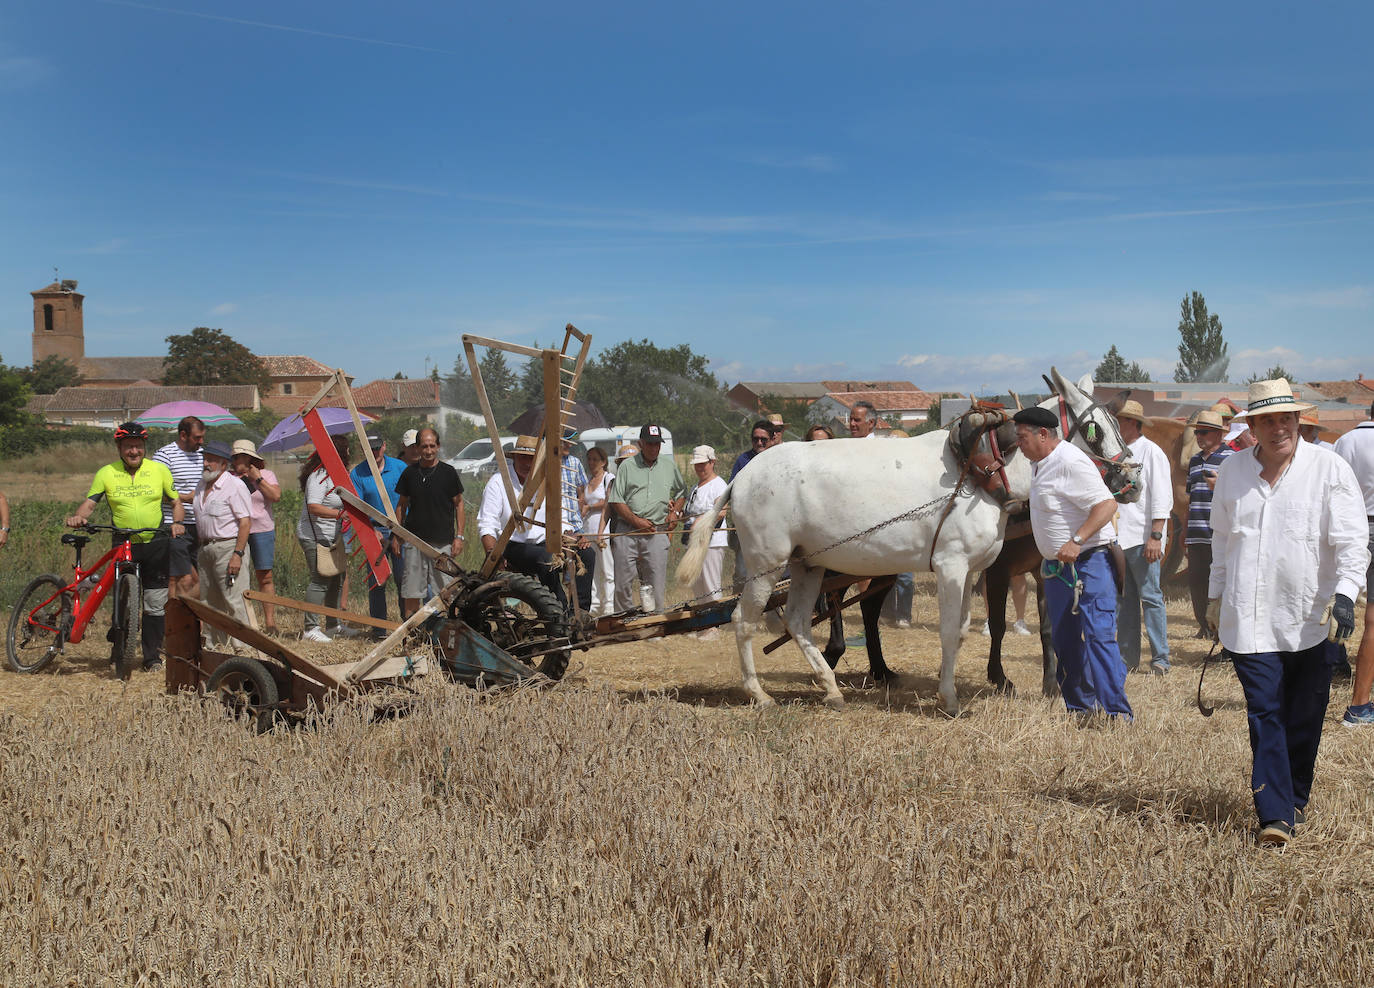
{"x":703,"y":454}
{"x":409,"y":437}
{"x":651,"y":434}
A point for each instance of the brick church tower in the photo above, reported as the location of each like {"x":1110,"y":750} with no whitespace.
{"x":58,"y":330}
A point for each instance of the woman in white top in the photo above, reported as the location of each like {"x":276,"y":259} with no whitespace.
{"x":599,"y":482}
{"x":700,"y":500}
{"x":321,"y":511}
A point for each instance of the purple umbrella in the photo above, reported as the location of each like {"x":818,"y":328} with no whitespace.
{"x":290,"y":432}
{"x":170,"y":413}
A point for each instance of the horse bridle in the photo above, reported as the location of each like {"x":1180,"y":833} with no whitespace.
{"x":1071,"y":424}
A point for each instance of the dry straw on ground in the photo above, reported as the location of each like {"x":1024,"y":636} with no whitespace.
{"x":639,"y":825}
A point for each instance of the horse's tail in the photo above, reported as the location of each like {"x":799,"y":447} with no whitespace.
{"x":702,"y":529}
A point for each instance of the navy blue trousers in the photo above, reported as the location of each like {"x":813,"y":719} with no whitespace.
{"x":1092,"y":675}
{"x":1286,"y":694}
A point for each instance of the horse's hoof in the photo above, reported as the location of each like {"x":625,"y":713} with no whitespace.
{"x":883,"y":675}
{"x":835,"y":703}
{"x":1050,"y":692}
{"x":1004,"y":688}
{"x":765,"y":703}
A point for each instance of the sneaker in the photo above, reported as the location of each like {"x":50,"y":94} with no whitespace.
{"x":347,"y":631}
{"x":1020,"y":628}
{"x":315,"y":635}
{"x":1275,"y":833}
{"x":987,"y":632}
{"x":152,"y":666}
{"x":1359,"y":715}
{"x":1159,"y":670}
{"x":903,"y":625}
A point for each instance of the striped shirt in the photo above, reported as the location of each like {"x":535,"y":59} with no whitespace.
{"x":574,"y":476}
{"x":186,"y":470}
{"x":1200,"y":495}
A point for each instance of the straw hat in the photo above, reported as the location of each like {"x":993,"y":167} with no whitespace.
{"x":776,"y":419}
{"x":1308,"y":418}
{"x":1208,"y":419}
{"x":1224,"y":410}
{"x":246,"y":447}
{"x":525,"y":445}
{"x":626,"y":451}
{"x":1131,"y":409}
{"x":1273,"y":396}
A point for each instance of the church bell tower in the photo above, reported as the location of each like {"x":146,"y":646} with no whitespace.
{"x":58,"y":330}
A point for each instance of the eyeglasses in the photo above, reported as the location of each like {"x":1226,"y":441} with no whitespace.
{"x":761,"y":439}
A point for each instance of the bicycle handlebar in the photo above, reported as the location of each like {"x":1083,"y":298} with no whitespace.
{"x":117,"y":530}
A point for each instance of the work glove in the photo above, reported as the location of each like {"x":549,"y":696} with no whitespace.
{"x":1214,"y":616}
{"x":1340,"y":615}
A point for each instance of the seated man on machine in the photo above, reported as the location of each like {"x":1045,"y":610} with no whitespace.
{"x":525,"y":552}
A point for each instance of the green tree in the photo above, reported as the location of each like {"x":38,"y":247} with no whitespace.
{"x":500,"y":382}
{"x":457,"y":390}
{"x":529,"y":390}
{"x":1114,"y":369}
{"x":260,"y":422}
{"x":210,"y":356}
{"x":50,"y":374}
{"x":1203,"y":354}
{"x":14,"y":395}
{"x":1277,"y":371}
{"x":634,"y":383}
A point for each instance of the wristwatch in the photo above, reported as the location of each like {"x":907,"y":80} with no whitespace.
{"x":239,"y":553}
{"x":1076,"y":539}
{"x":1157,"y":536}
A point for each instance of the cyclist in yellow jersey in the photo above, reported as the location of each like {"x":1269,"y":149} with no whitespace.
{"x":135,"y":488}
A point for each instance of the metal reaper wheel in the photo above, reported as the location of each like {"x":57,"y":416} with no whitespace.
{"x":519,"y":614}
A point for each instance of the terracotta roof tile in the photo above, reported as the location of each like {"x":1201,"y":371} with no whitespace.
{"x":235,"y":397}
{"x":294,"y":365}
{"x":847,"y":387}
{"x":1357,"y":391}
{"x":887,"y":401}
{"x":387,"y":394}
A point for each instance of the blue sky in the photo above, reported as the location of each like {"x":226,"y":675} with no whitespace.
{"x":959,"y":195}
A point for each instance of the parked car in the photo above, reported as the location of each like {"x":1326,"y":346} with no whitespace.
{"x":476,"y":455}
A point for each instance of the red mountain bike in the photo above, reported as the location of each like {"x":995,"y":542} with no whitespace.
{"x":50,"y":614}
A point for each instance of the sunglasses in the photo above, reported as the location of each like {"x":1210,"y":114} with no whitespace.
{"x":761,"y":439}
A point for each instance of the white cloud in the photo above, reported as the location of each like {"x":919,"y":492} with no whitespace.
{"x":1305,"y":367}
{"x":22,"y":71}
{"x":223,"y":309}
{"x":1349,"y":297}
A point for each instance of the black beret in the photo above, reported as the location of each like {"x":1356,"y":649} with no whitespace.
{"x":1036,"y":417}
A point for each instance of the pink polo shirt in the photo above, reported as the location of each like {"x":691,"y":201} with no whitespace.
{"x":262,"y":511}
{"x":220,"y":506}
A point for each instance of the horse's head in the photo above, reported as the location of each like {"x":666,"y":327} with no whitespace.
{"x":1089,"y":426}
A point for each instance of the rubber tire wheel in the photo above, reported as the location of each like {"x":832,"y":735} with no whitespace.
{"x":40,"y":588}
{"x":522,"y":628}
{"x":127,"y":625}
{"x":243,"y":685}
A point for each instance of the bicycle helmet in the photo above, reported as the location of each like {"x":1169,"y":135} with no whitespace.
{"x":130,"y":430}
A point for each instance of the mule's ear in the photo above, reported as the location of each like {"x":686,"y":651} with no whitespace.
{"x":1085,"y":384}
{"x":1116,"y":404}
{"x":1060,"y":383}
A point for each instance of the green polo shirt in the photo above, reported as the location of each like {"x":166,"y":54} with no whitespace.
{"x":646,"y":489}
{"x":135,"y":498}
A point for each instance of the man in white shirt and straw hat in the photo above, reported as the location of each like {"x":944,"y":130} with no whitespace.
{"x":1141,"y":531}
{"x":1288,"y":559}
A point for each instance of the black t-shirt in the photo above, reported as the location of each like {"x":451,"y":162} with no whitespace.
{"x":431,"y":491}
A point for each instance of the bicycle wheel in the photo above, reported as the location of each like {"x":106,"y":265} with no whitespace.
{"x":34,"y":639}
{"x":125,"y":623}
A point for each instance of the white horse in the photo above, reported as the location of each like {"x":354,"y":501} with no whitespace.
{"x":800,"y":505}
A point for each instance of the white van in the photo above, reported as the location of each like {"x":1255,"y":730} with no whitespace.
{"x":610,"y":440}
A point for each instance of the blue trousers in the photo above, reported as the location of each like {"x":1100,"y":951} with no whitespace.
{"x":1286,"y":694}
{"x":376,"y":596}
{"x":1141,"y":591}
{"x":897,"y":606}
{"x":1091,"y":673}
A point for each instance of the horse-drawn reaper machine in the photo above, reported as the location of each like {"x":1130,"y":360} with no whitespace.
{"x":488,"y":627}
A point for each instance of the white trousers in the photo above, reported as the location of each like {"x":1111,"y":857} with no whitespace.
{"x":603,"y":581}
{"x":213,"y":565}
{"x":708,"y":583}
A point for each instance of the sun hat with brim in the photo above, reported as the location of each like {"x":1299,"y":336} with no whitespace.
{"x":1272,"y":396}
{"x":1224,"y":410}
{"x":627,"y":450}
{"x":703,"y":454}
{"x":1308,"y":418}
{"x":245,"y":447}
{"x":1133,"y":410}
{"x":525,"y":445}
{"x":1208,"y":419}
{"x":217,"y":447}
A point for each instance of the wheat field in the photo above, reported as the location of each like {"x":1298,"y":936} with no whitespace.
{"x":639,"y":824}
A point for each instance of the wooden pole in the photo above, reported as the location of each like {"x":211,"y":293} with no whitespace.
{"x":367,"y":448}
{"x":553,"y":455}
{"x":498,"y":453}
